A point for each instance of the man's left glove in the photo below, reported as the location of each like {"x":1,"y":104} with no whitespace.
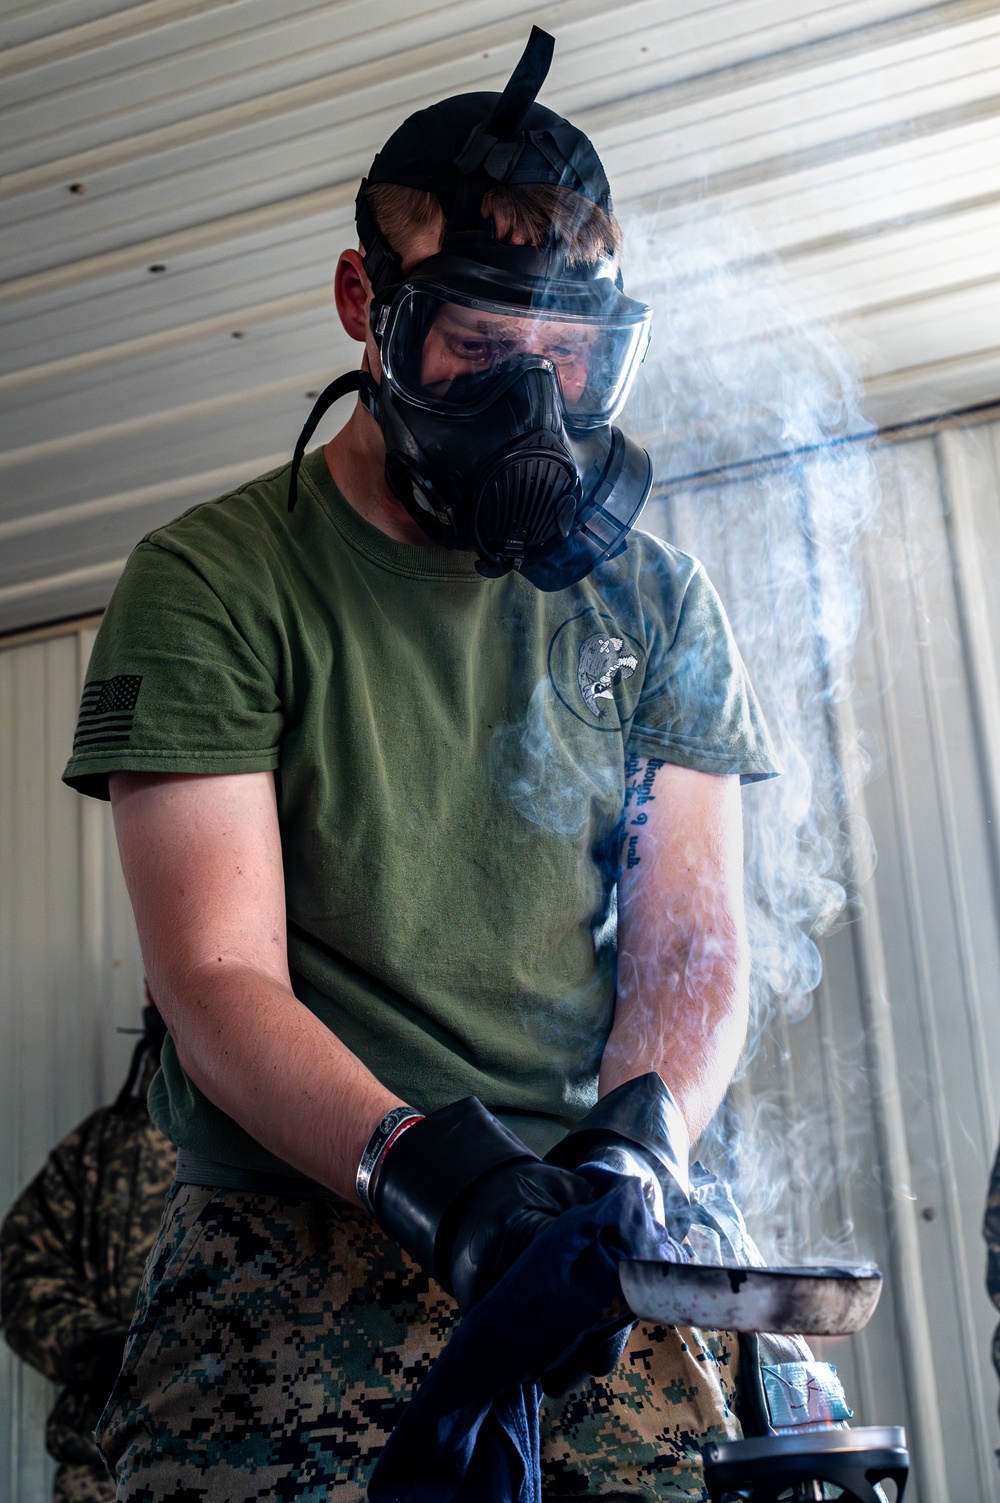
{"x":636,"y":1130}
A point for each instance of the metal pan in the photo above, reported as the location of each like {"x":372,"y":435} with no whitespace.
{"x":828,"y":1301}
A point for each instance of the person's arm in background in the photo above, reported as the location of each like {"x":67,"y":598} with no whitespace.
{"x":683,"y":960}
{"x":991,"y":1233}
{"x":49,"y":1302}
{"x":202,"y":861}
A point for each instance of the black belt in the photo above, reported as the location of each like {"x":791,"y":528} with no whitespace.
{"x":192,"y":1169}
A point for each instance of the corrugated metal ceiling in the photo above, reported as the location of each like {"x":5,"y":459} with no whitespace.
{"x":161,"y":328}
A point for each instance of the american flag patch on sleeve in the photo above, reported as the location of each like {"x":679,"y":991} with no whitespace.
{"x":107,"y":709}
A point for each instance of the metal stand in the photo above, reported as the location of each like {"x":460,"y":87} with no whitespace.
{"x":794,"y":1468}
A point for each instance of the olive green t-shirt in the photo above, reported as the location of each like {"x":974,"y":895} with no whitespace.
{"x":450,"y":755}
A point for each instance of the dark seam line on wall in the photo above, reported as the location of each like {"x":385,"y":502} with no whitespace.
{"x":893,"y":433}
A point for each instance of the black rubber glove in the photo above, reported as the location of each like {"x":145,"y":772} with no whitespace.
{"x":464,"y":1196}
{"x":637,"y":1130}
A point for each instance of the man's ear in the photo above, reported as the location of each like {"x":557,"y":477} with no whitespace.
{"x":352,"y":293}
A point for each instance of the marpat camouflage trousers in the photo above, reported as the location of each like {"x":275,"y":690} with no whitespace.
{"x":275,"y":1343}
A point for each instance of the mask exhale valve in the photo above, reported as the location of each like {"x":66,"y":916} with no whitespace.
{"x":532,"y":495}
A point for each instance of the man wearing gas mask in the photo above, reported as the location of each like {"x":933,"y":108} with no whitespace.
{"x":386,"y":735}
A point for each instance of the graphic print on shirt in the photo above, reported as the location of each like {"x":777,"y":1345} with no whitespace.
{"x":596,"y":670}
{"x":604,"y":661}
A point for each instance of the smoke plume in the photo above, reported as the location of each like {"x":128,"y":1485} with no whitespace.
{"x":749,"y":405}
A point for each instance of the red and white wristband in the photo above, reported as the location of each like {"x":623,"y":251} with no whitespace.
{"x":391,"y":1127}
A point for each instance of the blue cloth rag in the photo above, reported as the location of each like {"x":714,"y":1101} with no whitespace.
{"x":470,"y":1432}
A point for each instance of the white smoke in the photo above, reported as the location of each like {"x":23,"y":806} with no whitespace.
{"x":750,"y":407}
{"x":538,"y":774}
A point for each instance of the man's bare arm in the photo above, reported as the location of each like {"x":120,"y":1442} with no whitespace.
{"x":683,"y":958}
{"x":202,"y":860}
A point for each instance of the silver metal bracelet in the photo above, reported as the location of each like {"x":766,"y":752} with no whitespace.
{"x":388,"y":1130}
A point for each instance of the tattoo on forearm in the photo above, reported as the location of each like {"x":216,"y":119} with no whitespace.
{"x":640,"y":774}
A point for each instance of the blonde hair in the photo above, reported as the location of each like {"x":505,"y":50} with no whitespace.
{"x":526,"y":212}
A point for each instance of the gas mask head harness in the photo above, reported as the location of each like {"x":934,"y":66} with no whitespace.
{"x":153,"y":1033}
{"x":503,"y":366}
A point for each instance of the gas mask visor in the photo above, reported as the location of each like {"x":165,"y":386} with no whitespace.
{"x":455,"y":352}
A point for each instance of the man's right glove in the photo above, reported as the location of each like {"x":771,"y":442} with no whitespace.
{"x":635,"y":1130}
{"x":464,"y":1197}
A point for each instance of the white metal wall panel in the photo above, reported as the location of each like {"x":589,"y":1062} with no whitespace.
{"x":70,"y":974}
{"x":938,"y":905}
{"x":877,"y":1112}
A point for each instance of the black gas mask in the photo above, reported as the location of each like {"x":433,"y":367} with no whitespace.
{"x":503,"y":366}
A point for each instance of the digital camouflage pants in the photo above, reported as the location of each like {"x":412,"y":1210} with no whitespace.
{"x":275,"y":1343}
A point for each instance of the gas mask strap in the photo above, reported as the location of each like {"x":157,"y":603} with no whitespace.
{"x":135,"y":1065}
{"x":360,"y":381}
{"x":493,"y":144}
{"x":521,"y":88}
{"x":383,"y":266}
